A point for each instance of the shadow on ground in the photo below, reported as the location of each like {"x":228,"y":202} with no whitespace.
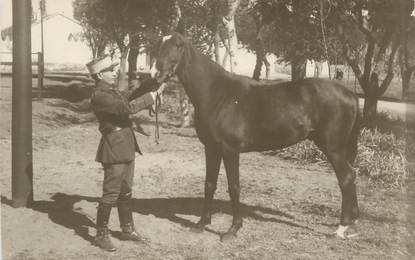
{"x":60,"y":211}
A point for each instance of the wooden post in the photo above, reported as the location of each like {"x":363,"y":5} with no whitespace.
{"x":40,"y":74}
{"x":22,"y":165}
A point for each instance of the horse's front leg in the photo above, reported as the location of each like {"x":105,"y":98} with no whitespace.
{"x":213,"y":160}
{"x":231,"y":162}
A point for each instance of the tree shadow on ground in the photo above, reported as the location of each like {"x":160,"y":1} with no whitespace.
{"x":60,"y":211}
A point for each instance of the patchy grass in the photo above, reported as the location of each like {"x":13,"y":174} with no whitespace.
{"x":382,"y":153}
{"x":381,"y":157}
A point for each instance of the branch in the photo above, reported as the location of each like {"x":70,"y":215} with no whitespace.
{"x":353,"y":64}
{"x":358,"y":19}
{"x":389,"y":75}
{"x":368,"y":59}
{"x":383,"y":45}
{"x":232,"y":6}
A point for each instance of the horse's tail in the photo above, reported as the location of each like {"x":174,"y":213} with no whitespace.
{"x":354,"y":136}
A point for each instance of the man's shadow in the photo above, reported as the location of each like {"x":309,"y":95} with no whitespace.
{"x":60,"y":211}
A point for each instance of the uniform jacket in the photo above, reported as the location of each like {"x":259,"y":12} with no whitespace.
{"x":112,"y":108}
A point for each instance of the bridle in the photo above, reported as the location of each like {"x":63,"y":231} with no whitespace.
{"x":158,"y":97}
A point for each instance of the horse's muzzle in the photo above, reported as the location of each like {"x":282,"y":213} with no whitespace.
{"x":163,"y":77}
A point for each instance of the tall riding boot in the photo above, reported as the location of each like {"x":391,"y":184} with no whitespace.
{"x":126,"y":221}
{"x":102,"y":238}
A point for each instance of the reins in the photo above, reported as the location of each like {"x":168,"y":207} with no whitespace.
{"x":156,"y":129}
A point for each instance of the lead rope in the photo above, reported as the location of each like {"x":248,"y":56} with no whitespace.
{"x":156,"y":109}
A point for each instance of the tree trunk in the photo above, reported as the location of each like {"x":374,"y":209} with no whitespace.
{"x":132,"y":56}
{"x":371,"y":92}
{"x":217,"y":46}
{"x":225,"y":58}
{"x":258,"y":67}
{"x":101,"y":50}
{"x":406,"y":79}
{"x":122,"y":77}
{"x":186,"y":114}
{"x":260,"y":56}
{"x":370,"y":108}
{"x":132,"y":63}
{"x":298,"y":69}
{"x":229,"y":23}
{"x":267,"y":67}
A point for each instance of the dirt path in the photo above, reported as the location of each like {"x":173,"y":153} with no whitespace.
{"x":290,"y":210}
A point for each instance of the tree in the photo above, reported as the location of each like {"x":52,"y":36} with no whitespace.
{"x":377,"y":22}
{"x":407,"y":52}
{"x":90,"y":14}
{"x":252,"y":31}
{"x":291,"y":29}
{"x":228,"y":21}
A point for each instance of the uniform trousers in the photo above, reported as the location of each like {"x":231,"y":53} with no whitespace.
{"x":118,"y":182}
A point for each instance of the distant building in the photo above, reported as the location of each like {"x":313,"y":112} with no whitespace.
{"x":63,"y":42}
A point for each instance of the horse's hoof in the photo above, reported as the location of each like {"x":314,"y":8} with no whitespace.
{"x":341,"y":232}
{"x":227,"y":237}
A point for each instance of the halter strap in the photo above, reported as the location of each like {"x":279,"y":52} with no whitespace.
{"x":157,"y":130}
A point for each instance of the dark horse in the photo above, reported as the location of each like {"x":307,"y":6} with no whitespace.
{"x":235,"y":114}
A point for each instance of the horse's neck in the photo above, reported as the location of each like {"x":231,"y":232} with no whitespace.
{"x":197,"y":75}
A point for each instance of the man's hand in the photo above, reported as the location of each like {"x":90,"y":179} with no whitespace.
{"x":148,"y":85}
{"x":159,"y":91}
{"x":161,"y":88}
{"x":157,"y":94}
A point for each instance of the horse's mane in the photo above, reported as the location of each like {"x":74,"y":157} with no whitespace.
{"x":192,"y":51}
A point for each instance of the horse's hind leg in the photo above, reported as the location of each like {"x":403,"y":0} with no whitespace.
{"x":336,"y":152}
{"x":346,"y":178}
{"x":213,"y":160}
{"x":231,"y":162}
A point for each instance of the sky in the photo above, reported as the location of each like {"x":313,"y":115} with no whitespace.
{"x":52,"y":6}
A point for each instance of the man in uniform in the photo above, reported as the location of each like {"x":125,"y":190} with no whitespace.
{"x":117,"y":147}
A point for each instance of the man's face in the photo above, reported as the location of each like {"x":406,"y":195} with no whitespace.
{"x":109,"y":75}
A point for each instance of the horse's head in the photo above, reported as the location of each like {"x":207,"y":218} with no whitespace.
{"x":168,"y":57}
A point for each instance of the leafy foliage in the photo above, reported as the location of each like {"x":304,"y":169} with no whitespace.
{"x":107,"y":21}
{"x":92,"y":16}
{"x":379,"y":21}
{"x":290,"y":29}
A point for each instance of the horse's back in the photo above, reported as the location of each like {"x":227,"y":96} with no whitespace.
{"x":310,"y":93}
{"x":275,"y":115}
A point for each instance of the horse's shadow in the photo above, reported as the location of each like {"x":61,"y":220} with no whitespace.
{"x":171,"y":208}
{"x":60,"y":211}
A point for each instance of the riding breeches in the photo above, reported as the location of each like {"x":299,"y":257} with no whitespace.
{"x":118,"y":182}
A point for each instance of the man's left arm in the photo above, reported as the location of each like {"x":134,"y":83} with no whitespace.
{"x":148,"y":85}
{"x":142,"y":102}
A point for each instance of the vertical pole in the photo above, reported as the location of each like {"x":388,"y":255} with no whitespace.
{"x":22,"y":164}
{"x":40,"y":74}
{"x":42,"y":64}
{"x":39,"y":93}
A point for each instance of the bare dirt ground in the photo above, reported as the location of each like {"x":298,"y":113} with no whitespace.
{"x":290,"y":209}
